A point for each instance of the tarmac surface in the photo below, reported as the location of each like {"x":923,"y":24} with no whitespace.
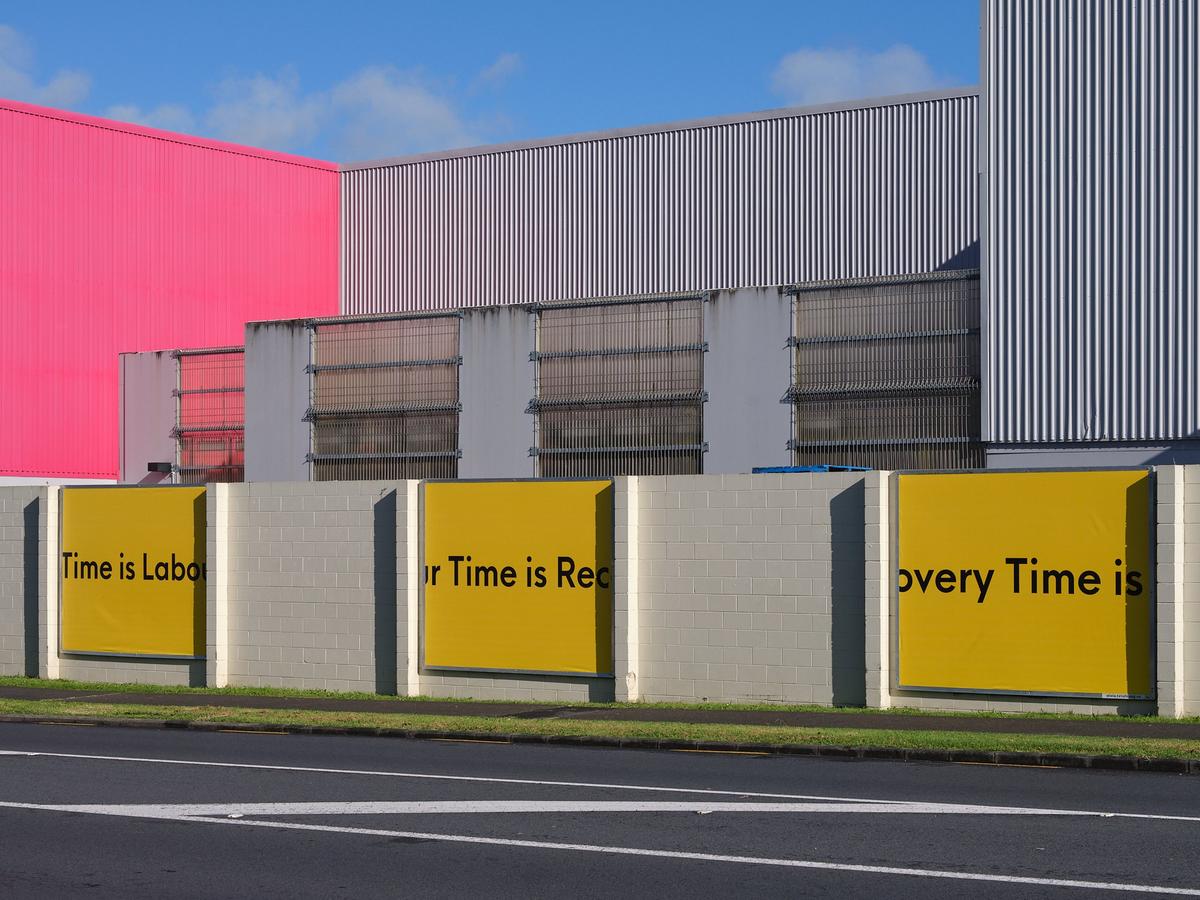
{"x":118,"y":813}
{"x":1006,"y":725}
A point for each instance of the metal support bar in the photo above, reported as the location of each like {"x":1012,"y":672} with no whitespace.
{"x":430,"y":454}
{"x":881,"y":336}
{"x":880,"y":442}
{"x":210,"y":351}
{"x":884,"y":280}
{"x":796,"y":394}
{"x":224,"y":390}
{"x":624,"y":351}
{"x":616,"y":400}
{"x":635,"y":300}
{"x":210,"y":429}
{"x":391,"y":364}
{"x":383,"y":317}
{"x":661,"y":448}
{"x":380,"y":412}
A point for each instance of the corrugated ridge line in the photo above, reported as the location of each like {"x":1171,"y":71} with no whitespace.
{"x":172,"y":137}
{"x":852,"y":193}
{"x":681,"y":125}
{"x":1091,"y":269}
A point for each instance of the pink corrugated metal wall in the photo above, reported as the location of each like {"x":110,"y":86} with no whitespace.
{"x":117,"y":238}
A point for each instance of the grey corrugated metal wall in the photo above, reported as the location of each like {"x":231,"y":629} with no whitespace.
{"x":1090,"y":232}
{"x":875,"y":188}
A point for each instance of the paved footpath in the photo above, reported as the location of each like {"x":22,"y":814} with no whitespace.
{"x":118,"y":813}
{"x":1009,"y":725}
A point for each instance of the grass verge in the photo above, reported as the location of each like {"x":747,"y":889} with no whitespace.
{"x":121,"y":688}
{"x":493,"y":727}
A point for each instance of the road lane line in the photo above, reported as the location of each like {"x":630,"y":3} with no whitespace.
{"x":696,"y":857}
{"x":508,"y":807}
{"x":481,"y":779}
{"x":467,"y":741}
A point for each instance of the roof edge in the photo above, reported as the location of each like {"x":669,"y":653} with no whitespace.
{"x":47,"y":112}
{"x":786,"y":112}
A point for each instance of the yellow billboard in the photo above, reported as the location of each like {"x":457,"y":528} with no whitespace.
{"x":132,"y":571}
{"x":518,"y":576}
{"x":1026,"y":582}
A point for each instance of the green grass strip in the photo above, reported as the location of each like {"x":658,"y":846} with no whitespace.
{"x":95,"y":687}
{"x":492,"y":726}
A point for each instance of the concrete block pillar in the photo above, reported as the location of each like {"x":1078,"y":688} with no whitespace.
{"x":411,"y":556}
{"x":50,"y":668}
{"x":877,"y":585}
{"x":1187,"y":612}
{"x":1170,"y":535}
{"x":218,"y":503}
{"x":626,"y":619}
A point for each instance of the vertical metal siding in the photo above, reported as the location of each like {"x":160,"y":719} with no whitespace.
{"x":875,"y":190}
{"x":117,"y":238}
{"x":1090,"y":272}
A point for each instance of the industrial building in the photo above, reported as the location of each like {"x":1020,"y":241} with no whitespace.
{"x":1002,"y":276}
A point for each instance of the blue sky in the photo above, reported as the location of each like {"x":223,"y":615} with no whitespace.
{"x":355,"y":80}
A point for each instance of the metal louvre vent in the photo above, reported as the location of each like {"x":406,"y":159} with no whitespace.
{"x":385,"y":398}
{"x":210,"y":415}
{"x":886,"y":373}
{"x":620,"y":387}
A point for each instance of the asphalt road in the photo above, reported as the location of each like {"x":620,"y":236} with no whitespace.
{"x":103,"y":813}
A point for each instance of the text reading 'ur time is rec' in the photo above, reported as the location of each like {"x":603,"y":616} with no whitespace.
{"x":463,"y":571}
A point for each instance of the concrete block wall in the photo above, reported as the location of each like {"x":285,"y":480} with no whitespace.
{"x":751,"y":588}
{"x":129,"y":670}
{"x":727,"y":588}
{"x":22,"y":577}
{"x":313,"y":569}
{"x":1187,"y":634}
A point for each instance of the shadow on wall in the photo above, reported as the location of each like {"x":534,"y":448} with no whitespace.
{"x":1185,"y":453}
{"x":31,"y":563}
{"x":847,"y":596}
{"x":385,"y":593}
{"x":966,"y":258}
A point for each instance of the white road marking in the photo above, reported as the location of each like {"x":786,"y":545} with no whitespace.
{"x":481,"y":779}
{"x":698,"y":857}
{"x":430,"y":807}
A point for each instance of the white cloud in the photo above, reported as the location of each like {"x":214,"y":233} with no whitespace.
{"x":266,"y":112}
{"x":382,"y":111}
{"x":505,"y":67}
{"x":66,"y":87}
{"x":377,"y":111}
{"x":812,"y":75}
{"x":167,"y":116}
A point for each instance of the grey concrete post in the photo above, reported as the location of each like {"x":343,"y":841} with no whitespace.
{"x":147,"y":415}
{"x":277,"y":396}
{"x":747,"y":369}
{"x":496,"y":384}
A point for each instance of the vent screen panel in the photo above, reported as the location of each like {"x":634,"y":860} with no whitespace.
{"x":886,"y":374}
{"x":620,"y":388}
{"x":385,"y":399}
{"x":210,"y":416}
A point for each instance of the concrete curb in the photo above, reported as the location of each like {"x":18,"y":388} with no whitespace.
{"x":1173,"y":766}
